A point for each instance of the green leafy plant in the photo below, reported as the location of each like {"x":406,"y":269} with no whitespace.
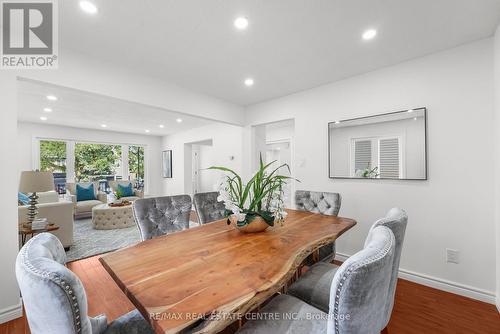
{"x":368,"y":173}
{"x":261,"y":196}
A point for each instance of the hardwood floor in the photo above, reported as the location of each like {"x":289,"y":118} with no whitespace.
{"x":418,"y":309}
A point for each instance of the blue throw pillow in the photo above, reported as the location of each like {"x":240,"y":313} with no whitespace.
{"x":23,"y":198}
{"x":124,"y":191}
{"x":85,"y":193}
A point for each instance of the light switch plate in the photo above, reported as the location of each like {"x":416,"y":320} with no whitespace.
{"x":452,"y":256}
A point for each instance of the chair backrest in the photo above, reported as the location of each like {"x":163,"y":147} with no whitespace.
{"x":396,"y":219}
{"x":53,"y":296}
{"x":71,"y":186}
{"x":208,"y":209}
{"x":48,"y":197}
{"x":158,"y":216}
{"x":360,"y":287}
{"x":114,"y":184}
{"x":318,"y":202}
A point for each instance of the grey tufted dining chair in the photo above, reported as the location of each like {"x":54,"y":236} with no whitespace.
{"x":314,"y":285}
{"x":208,"y":209}
{"x":358,"y":294}
{"x":323,"y":203}
{"x":397,"y":220}
{"x":54,"y":297}
{"x":157,"y":216}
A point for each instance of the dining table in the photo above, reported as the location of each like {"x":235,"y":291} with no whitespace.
{"x":202,"y":279}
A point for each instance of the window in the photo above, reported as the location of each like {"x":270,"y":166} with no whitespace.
{"x":71,"y":161}
{"x":53,"y":156}
{"x":136,"y":163}
{"x":377,"y":157}
{"x":95,"y":162}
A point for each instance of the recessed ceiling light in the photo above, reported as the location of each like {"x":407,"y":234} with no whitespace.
{"x":88,"y":7}
{"x":249,"y":82}
{"x":179,"y":120}
{"x":47,"y":110}
{"x":369,"y":34}
{"x":161,"y":126}
{"x":51,"y":98}
{"x":147,"y":131}
{"x":241,"y":23}
{"x":411,"y":110}
{"x":104,"y":126}
{"x":43,"y":118}
{"x":337,"y":122}
{"x":414,"y":118}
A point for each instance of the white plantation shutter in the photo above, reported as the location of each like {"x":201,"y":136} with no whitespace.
{"x":389,"y":158}
{"x":362,"y":154}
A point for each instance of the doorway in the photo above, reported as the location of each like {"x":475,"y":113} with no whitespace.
{"x":198,"y":158}
{"x":274,"y":141}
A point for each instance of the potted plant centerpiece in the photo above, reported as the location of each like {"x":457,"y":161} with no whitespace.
{"x":258,"y":204}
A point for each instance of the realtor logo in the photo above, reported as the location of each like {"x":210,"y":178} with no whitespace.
{"x":29,"y":34}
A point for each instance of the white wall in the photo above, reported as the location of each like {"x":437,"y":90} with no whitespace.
{"x":280,"y":131}
{"x":454,"y":209}
{"x":10,"y":306}
{"x":497,"y":160}
{"x":26,"y":132}
{"x":226,"y":143}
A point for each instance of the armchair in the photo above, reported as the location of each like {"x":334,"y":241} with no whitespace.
{"x":57,"y":211}
{"x":137,"y":193}
{"x":83,"y":209}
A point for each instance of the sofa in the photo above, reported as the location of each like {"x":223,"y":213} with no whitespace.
{"x":83,"y":209}
{"x":57,"y":211}
{"x":137,"y":194}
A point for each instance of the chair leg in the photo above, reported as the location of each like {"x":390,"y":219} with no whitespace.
{"x":385,"y":331}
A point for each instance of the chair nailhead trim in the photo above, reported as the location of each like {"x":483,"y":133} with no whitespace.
{"x":46,"y":275}
{"x":348,"y":272}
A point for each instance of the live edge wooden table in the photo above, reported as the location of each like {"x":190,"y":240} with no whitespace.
{"x":201,"y":279}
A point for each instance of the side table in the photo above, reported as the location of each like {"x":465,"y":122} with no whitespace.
{"x":24,"y":232}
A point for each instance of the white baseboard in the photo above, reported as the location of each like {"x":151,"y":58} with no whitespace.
{"x":498,"y":303}
{"x":442,"y":284}
{"x":11,"y":313}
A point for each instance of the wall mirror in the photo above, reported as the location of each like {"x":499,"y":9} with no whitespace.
{"x":388,"y":146}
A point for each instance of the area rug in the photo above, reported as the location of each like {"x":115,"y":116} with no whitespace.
{"x":89,"y":242}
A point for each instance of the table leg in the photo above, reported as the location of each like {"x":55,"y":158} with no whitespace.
{"x":316,"y":256}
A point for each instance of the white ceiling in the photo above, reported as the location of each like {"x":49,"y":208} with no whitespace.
{"x":290,"y":45}
{"x":85,"y":110}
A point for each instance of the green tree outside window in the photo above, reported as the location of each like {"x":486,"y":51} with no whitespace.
{"x":94,"y":161}
{"x":53,"y":156}
{"x":136,"y":161}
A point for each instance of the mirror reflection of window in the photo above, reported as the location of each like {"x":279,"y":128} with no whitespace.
{"x":362,"y":155}
{"x":388,"y":146}
{"x":389,"y":158}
